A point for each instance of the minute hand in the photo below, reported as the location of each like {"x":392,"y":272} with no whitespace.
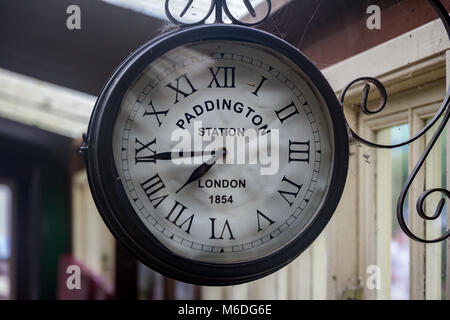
{"x":178,"y":155}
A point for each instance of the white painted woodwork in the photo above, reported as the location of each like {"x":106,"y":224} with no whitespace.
{"x":433,"y":173}
{"x":384,"y":213}
{"x":93,"y":245}
{"x":410,"y":48}
{"x":44,"y":105}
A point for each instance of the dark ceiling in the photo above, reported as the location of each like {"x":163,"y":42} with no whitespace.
{"x":35,"y":41}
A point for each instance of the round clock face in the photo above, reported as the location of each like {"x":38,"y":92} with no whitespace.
{"x":225,"y":153}
{"x":225,"y":95}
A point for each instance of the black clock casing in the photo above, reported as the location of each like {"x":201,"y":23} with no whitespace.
{"x":114,"y":205}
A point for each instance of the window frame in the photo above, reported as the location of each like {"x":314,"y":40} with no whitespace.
{"x":414,"y":111}
{"x":410,"y":63}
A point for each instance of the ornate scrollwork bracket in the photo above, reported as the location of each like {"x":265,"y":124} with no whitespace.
{"x":220,"y":6}
{"x":444,"y":112}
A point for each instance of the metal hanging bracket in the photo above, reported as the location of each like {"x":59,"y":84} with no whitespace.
{"x":219,"y":7}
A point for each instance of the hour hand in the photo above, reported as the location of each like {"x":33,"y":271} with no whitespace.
{"x":182,"y":154}
{"x":198,"y":173}
{"x":202,"y":170}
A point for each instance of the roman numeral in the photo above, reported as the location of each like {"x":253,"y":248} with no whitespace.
{"x":286,"y":194}
{"x":260,"y":214}
{"x":223,"y":77}
{"x":141,"y":148}
{"x":263,"y":79}
{"x":155,"y":113}
{"x":153,"y":186}
{"x":226,"y":226}
{"x":182,"y":86}
{"x":299,"y":151}
{"x":287,"y":112}
{"x":175,"y":214}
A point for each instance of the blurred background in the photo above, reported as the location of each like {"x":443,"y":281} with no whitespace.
{"x":50,"y":77}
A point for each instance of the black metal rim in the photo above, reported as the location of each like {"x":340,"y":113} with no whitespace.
{"x":113,"y":203}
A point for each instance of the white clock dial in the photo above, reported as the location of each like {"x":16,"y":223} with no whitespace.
{"x":231,"y":212}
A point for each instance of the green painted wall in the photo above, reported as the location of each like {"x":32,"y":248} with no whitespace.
{"x":54,"y":227}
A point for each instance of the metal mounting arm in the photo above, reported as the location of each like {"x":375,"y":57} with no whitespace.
{"x":444,"y":112}
{"x":220,"y":7}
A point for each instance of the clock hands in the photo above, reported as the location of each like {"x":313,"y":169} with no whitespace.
{"x":201,"y":170}
{"x":181,"y":154}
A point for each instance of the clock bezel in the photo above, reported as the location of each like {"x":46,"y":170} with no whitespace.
{"x":109,"y":194}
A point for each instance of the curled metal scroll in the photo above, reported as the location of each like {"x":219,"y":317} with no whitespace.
{"x":444,"y":111}
{"x":220,"y":6}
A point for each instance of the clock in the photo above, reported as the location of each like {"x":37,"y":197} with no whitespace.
{"x":217,"y":154}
